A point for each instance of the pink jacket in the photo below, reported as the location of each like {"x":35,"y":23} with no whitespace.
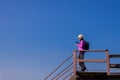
{"x":80,"y":45}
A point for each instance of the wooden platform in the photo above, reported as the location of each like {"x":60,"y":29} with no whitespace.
{"x":98,"y":75}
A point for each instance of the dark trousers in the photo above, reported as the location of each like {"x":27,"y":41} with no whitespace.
{"x":81,"y":56}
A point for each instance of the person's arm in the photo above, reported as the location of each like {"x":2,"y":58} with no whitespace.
{"x":81,"y":43}
{"x":76,"y":43}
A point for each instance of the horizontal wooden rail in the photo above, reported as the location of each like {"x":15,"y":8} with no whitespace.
{"x":81,"y":60}
{"x":114,"y":55}
{"x":114,"y":65}
{"x":92,"y":50}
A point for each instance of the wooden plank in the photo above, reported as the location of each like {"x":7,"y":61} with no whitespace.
{"x":114,"y":55}
{"x":82,"y":60}
{"x":99,"y":75}
{"x":92,"y":73}
{"x":92,"y":50}
{"x":115,"y":74}
{"x":114,"y":65}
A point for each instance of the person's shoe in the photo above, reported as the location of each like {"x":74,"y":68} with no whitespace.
{"x":85,"y":69}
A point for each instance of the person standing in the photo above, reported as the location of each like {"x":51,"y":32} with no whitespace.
{"x":80,"y":46}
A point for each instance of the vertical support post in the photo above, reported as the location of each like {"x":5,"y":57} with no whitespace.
{"x":74,"y":63}
{"x":108,"y":62}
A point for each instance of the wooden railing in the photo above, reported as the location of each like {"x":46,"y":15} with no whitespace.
{"x":75,"y":60}
{"x":114,"y":56}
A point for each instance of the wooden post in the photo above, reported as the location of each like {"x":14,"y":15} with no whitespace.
{"x":108,"y":62}
{"x":74,"y":63}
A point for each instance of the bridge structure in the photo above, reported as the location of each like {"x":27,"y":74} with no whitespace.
{"x":71,"y":72}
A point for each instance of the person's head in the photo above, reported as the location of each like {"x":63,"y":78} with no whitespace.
{"x":80,"y":37}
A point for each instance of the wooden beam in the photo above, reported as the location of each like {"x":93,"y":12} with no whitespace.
{"x":82,"y":60}
{"x":114,"y":65}
{"x":114,"y":55}
{"x":92,"y":50}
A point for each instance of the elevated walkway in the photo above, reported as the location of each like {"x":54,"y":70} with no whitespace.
{"x":96,"y":76}
{"x":71,"y":72}
{"x":107,"y":75}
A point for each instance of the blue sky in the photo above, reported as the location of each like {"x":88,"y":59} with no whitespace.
{"x":37,"y":35}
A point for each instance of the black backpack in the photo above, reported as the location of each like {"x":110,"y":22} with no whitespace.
{"x":86,"y":45}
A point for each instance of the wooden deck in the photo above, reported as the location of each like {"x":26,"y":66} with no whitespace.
{"x":108,"y":75}
{"x":98,"y":75}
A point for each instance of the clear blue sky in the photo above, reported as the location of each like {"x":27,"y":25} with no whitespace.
{"x":37,"y":35}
